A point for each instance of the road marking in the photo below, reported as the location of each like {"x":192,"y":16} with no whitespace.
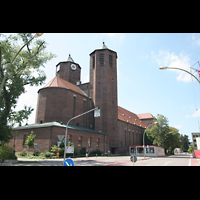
{"x":167,"y":162}
{"x":118,"y":163}
{"x":194,"y":162}
{"x":121,"y":163}
{"x":190,"y":161}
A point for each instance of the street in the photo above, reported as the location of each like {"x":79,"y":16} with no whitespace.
{"x":175,"y":160}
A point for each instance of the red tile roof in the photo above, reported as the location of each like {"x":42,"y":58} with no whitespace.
{"x":59,"y":82}
{"x":132,"y":118}
{"x":145,"y":116}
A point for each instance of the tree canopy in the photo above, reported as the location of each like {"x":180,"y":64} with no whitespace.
{"x":24,"y":70}
{"x":161,"y":134}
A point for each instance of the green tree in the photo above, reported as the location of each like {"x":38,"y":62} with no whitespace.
{"x":191,"y":149}
{"x":184,"y":143}
{"x":172,"y":140}
{"x":159,"y":131}
{"x":30,"y":140}
{"x":24,"y":70}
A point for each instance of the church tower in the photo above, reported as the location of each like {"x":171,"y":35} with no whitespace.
{"x":69,"y":71}
{"x":103,"y":80}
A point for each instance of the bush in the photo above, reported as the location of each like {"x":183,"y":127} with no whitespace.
{"x":47,"y":154}
{"x":36,"y":152}
{"x":75,"y":151}
{"x":82,"y":152}
{"x":23,"y":153}
{"x":5,"y":152}
{"x":191,"y":149}
{"x":97,"y":151}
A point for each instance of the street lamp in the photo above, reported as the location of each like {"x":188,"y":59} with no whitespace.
{"x":67,"y":127}
{"x":144,"y":135}
{"x":4,"y":79}
{"x":165,"y":67}
{"x":38,"y":35}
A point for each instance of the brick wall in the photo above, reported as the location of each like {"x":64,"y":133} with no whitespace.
{"x":103,"y":80}
{"x":129,"y":134}
{"x":47,"y":137}
{"x":56,"y":104}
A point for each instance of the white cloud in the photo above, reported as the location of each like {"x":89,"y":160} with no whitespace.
{"x":116,"y":36}
{"x":165,"y":58}
{"x":178,"y":126}
{"x":195,"y":114}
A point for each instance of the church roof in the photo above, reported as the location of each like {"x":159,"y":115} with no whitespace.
{"x":103,"y":46}
{"x":59,"y":82}
{"x":145,"y":116}
{"x":58,"y":124}
{"x":69,"y":59}
{"x":132,"y":118}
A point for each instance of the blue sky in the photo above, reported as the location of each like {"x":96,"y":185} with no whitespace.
{"x":142,"y":87}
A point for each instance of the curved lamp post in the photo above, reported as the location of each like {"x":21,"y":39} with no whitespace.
{"x":4,"y":79}
{"x":181,"y":70}
{"x":144,"y":137}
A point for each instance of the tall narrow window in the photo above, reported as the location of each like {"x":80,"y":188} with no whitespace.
{"x":125,"y":136}
{"x":93,"y":62}
{"x":74,"y":106}
{"x":98,"y":140}
{"x":111,"y":60}
{"x":89,"y":142}
{"x":80,"y":141}
{"x":101,"y":59}
{"x":84,"y":110}
{"x":25,"y":138}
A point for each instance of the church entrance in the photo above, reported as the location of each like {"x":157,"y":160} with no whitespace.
{"x":112,"y":150}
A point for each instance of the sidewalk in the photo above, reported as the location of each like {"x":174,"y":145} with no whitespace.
{"x":82,"y":161}
{"x":195,"y":162}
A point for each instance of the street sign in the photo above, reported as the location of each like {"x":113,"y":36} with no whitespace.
{"x":97,"y":113}
{"x":36,"y":146}
{"x":60,"y":137}
{"x":68,"y":162}
{"x":69,"y":149}
{"x":58,"y":144}
{"x":133,"y":158}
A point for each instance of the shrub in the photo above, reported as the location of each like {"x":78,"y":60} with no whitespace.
{"x":36,"y":152}
{"x":82,"y":152}
{"x":93,"y":153}
{"x":5,"y":152}
{"x":23,"y":153}
{"x":47,"y":154}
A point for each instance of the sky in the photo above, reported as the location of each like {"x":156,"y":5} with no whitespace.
{"x":142,"y":86}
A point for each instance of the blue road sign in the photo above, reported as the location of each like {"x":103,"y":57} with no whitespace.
{"x":68,"y":162}
{"x":36,"y":146}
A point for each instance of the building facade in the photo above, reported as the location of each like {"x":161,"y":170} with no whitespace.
{"x":196,"y":143}
{"x":65,"y":97}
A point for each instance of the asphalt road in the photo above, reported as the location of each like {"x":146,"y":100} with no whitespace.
{"x":175,"y":160}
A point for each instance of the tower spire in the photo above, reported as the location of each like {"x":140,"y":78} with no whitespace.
{"x":69,"y":59}
{"x":103,"y":46}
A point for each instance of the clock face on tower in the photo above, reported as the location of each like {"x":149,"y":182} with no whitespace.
{"x":73,"y":67}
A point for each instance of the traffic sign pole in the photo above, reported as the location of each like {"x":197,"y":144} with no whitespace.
{"x":67,"y":127}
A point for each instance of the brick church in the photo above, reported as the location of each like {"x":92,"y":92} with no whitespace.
{"x":65,"y":97}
